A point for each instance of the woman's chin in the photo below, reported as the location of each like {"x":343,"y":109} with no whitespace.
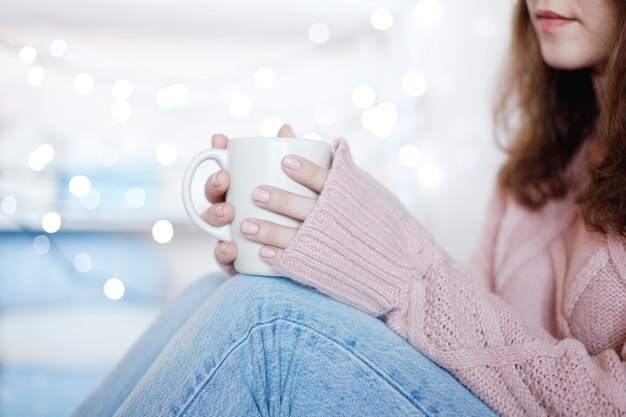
{"x":567,"y":61}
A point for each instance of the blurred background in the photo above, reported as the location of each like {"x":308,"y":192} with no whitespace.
{"x":104,"y":102}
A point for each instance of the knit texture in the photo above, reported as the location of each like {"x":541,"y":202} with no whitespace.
{"x":535,"y":326}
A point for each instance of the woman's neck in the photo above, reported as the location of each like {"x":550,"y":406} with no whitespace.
{"x":598,"y":78}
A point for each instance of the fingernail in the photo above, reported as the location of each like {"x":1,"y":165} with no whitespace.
{"x":249,"y":228}
{"x":224,"y":249}
{"x":291,"y":163}
{"x":214,"y":182}
{"x":219,"y":212}
{"x":267,"y":252}
{"x":260,"y":195}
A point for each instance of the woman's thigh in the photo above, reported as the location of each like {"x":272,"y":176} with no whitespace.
{"x":123,"y":378}
{"x":268,"y":346}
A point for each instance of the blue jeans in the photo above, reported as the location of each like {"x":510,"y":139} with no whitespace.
{"x":267,"y":346}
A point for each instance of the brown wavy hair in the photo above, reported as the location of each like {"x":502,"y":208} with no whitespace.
{"x":554,"y":112}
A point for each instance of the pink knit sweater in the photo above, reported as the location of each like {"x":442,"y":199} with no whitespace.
{"x":536,"y":326}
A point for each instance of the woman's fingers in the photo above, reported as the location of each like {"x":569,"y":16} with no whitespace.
{"x":217,"y":184}
{"x":219,"y":214}
{"x":285,"y":131}
{"x":270,"y":254}
{"x":283,"y":202}
{"x":302,"y":170}
{"x":267,"y":232}
{"x":225,"y":252}
{"x":305,"y":172}
{"x":219,"y":141}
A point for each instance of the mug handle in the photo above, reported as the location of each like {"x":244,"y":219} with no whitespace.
{"x":221,"y":157}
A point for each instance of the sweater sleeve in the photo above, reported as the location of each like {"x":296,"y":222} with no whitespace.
{"x":481,"y":264}
{"x":361,"y":246}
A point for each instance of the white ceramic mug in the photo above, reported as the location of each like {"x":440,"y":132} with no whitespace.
{"x":252,"y":162}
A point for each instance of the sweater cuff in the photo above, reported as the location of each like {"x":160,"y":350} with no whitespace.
{"x":353,"y":245}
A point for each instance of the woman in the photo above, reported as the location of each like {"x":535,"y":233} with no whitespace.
{"x":536,"y":326}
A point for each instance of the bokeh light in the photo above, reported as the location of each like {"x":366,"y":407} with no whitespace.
{"x":164,"y":98}
{"x":41,"y":244}
{"x":28,"y":54}
{"x":409,"y":155}
{"x":381,"y":19}
{"x":429,"y":174}
{"x":240,"y":106}
{"x":57,"y":48}
{"x":135,"y":197}
{"x":35,"y":76}
{"x":8,"y":205}
{"x":363,"y":96}
{"x":428,"y":13}
{"x":319,"y":33}
{"x":51,"y":222}
{"x":180,"y":95}
{"x":114,"y":288}
{"x":414,"y":84}
{"x":80,"y":185}
{"x":162,"y":231}
{"x":82,"y":262}
{"x":176,"y":95}
{"x":381,"y":119}
{"x":36,"y":161}
{"x":264,"y":78}
{"x":46,"y":152}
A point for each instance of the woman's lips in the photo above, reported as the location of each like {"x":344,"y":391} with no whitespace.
{"x":548,"y":20}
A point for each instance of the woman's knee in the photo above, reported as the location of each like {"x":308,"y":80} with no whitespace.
{"x":249,"y":300}
{"x":262,"y":298}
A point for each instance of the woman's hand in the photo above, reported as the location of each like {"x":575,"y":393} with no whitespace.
{"x":273,"y":236}
{"x":220,"y":213}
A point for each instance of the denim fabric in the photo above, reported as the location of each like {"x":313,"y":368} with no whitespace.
{"x":267,"y":346}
